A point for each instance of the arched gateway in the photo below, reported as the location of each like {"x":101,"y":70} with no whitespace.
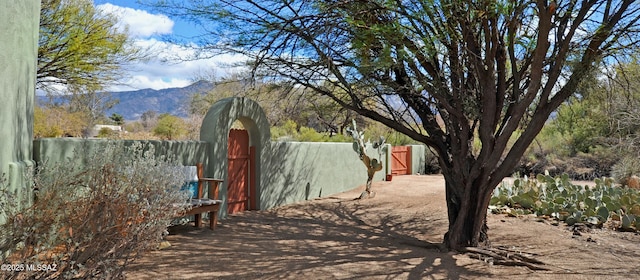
{"x":215,"y":130}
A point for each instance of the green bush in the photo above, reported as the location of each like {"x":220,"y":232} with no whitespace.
{"x":559,"y":199}
{"x":289,"y":131}
{"x":170,"y":127}
{"x":106,"y":132}
{"x":92,"y":220}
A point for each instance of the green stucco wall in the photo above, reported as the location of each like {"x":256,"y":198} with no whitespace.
{"x":60,"y":150}
{"x":418,"y":159}
{"x":297,"y":171}
{"x":18,"y":55}
{"x":291,"y":171}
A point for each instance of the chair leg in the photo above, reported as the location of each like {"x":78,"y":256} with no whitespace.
{"x":213,"y":219}
{"x":198,"y":220}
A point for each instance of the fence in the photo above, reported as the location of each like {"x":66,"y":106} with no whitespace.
{"x":291,"y":171}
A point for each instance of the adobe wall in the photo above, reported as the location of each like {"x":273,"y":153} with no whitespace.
{"x":297,"y":171}
{"x":78,"y":150}
{"x":291,"y":171}
{"x":418,"y":159}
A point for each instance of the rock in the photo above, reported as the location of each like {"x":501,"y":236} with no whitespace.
{"x":164,"y":245}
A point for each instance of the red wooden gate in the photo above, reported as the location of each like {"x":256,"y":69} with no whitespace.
{"x":238,"y":178}
{"x":401,"y":160}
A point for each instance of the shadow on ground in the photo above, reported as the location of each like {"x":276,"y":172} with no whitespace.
{"x":330,"y":238}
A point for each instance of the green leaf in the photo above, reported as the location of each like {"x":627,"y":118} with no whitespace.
{"x":598,"y":181}
{"x":614,"y":206}
{"x":603,"y":212}
{"x":494,"y":200}
{"x":590,"y":203}
{"x":526,"y":203}
{"x":356,"y":147}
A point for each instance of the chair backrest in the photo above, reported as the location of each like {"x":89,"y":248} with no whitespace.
{"x":200,"y":174}
{"x":214,"y":184}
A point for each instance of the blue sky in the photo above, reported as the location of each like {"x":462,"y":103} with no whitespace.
{"x":147,"y":28}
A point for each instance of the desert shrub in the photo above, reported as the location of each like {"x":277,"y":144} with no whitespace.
{"x":432,"y":166}
{"x":580,"y":166}
{"x":625,"y":168}
{"x":90,"y":220}
{"x":106,"y":132}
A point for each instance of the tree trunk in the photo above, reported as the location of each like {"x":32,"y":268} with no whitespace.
{"x":367,"y":193}
{"x":467,"y":209}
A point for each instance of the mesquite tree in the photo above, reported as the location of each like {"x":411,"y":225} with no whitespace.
{"x":474,"y":80}
{"x":81,"y":47}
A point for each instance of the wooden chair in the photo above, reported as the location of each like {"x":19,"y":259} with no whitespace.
{"x":210,"y":204}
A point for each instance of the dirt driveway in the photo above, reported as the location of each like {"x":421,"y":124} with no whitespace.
{"x":392,"y":236}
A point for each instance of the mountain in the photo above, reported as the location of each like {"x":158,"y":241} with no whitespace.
{"x":133,"y":104}
{"x":174,"y":101}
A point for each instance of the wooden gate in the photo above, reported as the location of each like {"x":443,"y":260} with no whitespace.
{"x":238,"y":176}
{"x":401,"y":160}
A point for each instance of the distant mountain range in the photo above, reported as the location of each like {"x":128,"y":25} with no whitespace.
{"x":133,"y":104}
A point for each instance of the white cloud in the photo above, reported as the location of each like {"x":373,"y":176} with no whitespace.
{"x":146,"y":81}
{"x":141,"y":24}
{"x":170,"y":65}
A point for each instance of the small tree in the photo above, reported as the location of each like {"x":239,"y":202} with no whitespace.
{"x":149,"y":119}
{"x":57,"y":121}
{"x":80,"y":46}
{"x":372,"y":165}
{"x":117,"y":119}
{"x":169,"y":127}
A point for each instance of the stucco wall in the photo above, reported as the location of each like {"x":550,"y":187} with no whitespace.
{"x":18,"y":54}
{"x":291,"y":171}
{"x":59,"y":150}
{"x":297,"y":171}
{"x":418,"y":159}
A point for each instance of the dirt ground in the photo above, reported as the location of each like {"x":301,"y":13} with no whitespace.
{"x":381,"y":238}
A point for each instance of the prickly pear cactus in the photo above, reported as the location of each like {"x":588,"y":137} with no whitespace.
{"x":373,"y":165}
{"x":558,"y":198}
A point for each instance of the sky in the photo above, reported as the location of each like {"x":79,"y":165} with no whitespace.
{"x":147,"y":29}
